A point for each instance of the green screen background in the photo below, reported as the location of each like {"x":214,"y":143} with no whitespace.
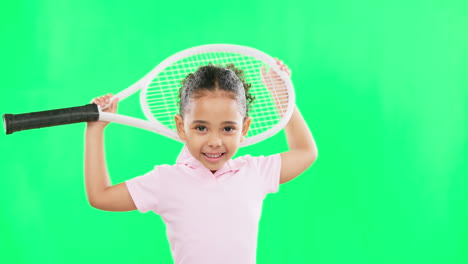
{"x":383,"y":86}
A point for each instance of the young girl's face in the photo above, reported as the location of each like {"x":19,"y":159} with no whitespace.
{"x":212,"y":128}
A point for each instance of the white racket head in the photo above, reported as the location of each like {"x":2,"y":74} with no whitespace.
{"x":270,"y":111}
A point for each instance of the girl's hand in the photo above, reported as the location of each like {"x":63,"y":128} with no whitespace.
{"x":103,"y":101}
{"x":275,"y":85}
{"x":283,"y":67}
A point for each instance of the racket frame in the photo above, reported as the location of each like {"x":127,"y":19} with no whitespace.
{"x":244,"y":50}
{"x":152,"y":124}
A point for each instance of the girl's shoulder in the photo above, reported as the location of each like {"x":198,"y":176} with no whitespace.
{"x":255,"y":160}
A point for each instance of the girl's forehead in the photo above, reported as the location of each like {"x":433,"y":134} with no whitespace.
{"x":214,"y":105}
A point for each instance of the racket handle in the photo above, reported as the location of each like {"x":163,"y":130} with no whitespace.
{"x":49,"y":118}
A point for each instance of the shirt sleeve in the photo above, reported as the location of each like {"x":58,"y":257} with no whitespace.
{"x":269,"y":168}
{"x":144,"y":191}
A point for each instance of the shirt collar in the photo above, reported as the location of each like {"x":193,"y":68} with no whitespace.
{"x":186,"y":158}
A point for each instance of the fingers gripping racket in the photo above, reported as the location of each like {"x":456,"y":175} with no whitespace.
{"x":270,"y":112}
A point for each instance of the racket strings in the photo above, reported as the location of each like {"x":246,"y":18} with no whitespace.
{"x":270,"y":91}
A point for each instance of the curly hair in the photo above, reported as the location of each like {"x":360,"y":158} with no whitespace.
{"x":216,"y":77}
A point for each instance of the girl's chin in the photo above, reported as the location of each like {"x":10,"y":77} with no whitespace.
{"x":213,"y":165}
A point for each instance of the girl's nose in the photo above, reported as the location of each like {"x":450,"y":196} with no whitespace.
{"x":214,"y":141}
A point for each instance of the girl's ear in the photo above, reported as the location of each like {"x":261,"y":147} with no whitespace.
{"x":245,"y":127}
{"x":180,"y":126}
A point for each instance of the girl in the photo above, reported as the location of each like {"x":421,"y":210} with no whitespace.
{"x":211,"y":204}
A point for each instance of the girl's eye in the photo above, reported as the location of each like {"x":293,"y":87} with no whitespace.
{"x":200,"y":128}
{"x":229,"y":129}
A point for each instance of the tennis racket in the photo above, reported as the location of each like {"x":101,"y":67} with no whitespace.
{"x":270,"y":112}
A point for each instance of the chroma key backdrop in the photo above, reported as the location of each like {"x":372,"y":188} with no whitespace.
{"x":383,"y":86}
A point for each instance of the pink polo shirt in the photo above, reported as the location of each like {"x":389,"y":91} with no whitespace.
{"x":210,"y":218}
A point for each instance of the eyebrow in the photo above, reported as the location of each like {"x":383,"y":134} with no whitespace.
{"x":206,"y":122}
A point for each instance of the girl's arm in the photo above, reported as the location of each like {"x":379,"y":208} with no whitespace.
{"x":302,"y":149}
{"x":100,"y":193}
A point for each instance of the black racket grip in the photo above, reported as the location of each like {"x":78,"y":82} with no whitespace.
{"x":49,"y":118}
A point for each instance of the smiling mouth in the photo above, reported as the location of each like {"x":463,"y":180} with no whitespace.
{"x":213,"y":155}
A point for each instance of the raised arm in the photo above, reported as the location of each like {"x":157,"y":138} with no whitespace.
{"x":302,"y":149}
{"x":100,"y":192}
